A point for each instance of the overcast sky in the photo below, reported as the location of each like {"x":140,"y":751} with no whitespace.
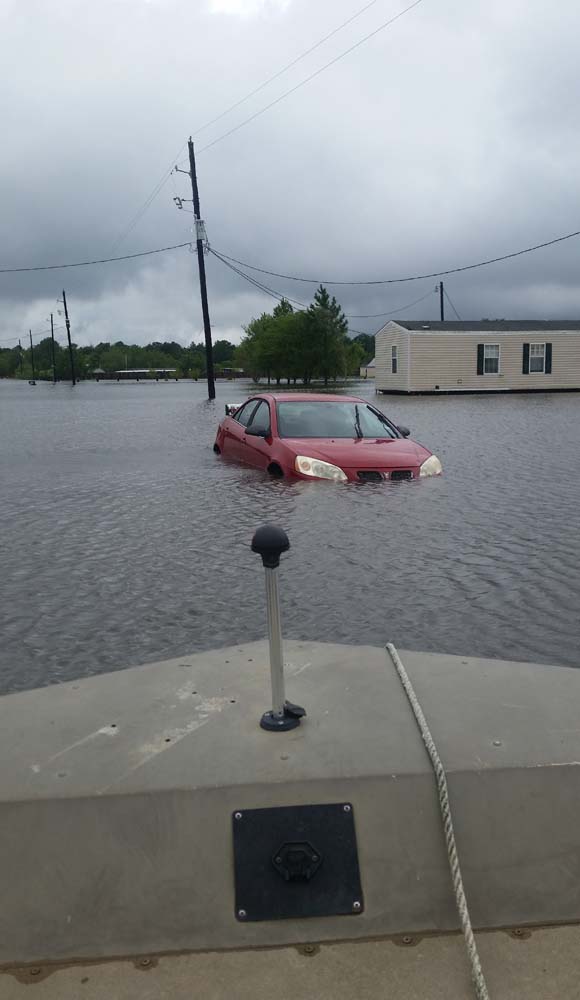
{"x":449,"y":137}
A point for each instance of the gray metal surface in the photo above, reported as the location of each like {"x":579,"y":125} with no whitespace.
{"x":275,"y":642}
{"x":544,"y":966}
{"x":116,"y":795}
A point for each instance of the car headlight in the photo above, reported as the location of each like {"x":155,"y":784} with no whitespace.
{"x":320,"y":470}
{"x":431,"y":467}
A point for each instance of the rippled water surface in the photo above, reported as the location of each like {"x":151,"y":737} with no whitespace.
{"x":124,"y":539}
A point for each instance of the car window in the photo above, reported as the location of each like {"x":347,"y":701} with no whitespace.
{"x":318,"y":418}
{"x":373,"y":424}
{"x":243,"y":415}
{"x":261,"y":418}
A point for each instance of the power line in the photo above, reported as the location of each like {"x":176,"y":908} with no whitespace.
{"x":258,"y":284}
{"x":285,"y":68}
{"x":316,"y":73}
{"x":148,"y":201}
{"x":166,"y":174}
{"x":280,"y":296}
{"x":265,"y":288}
{"x":226,"y":259}
{"x":392,"y":312}
{"x":415,"y":277}
{"x":446,"y":294}
{"x":87,"y":263}
{"x":35,"y":336}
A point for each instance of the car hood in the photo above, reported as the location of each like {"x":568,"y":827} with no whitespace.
{"x":362,"y":453}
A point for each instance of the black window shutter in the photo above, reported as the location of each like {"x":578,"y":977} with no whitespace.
{"x":548,"y":360}
{"x":480,"y":359}
{"x":526,"y":360}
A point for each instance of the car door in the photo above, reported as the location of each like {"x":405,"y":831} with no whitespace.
{"x":257,"y":443}
{"x":234,"y":431}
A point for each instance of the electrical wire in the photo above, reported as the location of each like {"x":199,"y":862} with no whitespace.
{"x":285,"y":68}
{"x":312,"y":76}
{"x":415,"y":277}
{"x":87,"y":263}
{"x":446,"y":294}
{"x":38,"y":334}
{"x":265,"y":288}
{"x":148,"y":201}
{"x":226,"y":259}
{"x":167,"y":173}
{"x":258,"y":284}
{"x":392,"y":312}
{"x":280,"y":296}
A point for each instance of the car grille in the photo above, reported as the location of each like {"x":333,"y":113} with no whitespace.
{"x":402,"y":474}
{"x":370,"y":477}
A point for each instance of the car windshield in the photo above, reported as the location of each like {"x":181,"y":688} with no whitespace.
{"x":321,"y":419}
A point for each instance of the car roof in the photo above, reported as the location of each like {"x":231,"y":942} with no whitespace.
{"x":302,"y":397}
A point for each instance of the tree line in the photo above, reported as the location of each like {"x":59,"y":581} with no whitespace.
{"x":303,"y":345}
{"x":189,"y":361}
{"x":286,"y":344}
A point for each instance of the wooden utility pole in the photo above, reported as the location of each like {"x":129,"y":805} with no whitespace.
{"x":70,"y":350}
{"x":20,"y":357}
{"x":202,"y":282}
{"x":32,"y":356}
{"x":441,"y":302}
{"x":52,"y":349}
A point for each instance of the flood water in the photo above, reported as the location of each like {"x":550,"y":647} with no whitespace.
{"x":125,"y":539}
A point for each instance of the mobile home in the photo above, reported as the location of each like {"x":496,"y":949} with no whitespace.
{"x":487,"y":356}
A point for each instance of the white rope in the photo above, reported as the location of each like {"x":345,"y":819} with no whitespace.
{"x":476,"y":970}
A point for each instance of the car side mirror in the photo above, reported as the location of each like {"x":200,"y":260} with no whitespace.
{"x":258,"y":432}
{"x":404,"y":431}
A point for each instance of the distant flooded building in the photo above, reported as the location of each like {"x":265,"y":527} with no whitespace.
{"x":136,"y":373}
{"x":368,"y":371}
{"x":489,"y":356}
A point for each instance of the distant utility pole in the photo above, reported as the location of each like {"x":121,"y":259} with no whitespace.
{"x":52,"y":349}
{"x":32,"y":356}
{"x":20,"y":357}
{"x":441,"y":302}
{"x":200,"y":232}
{"x":70,"y":350}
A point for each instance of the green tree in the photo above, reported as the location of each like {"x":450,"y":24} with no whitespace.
{"x":283,"y":308}
{"x":354,"y":357}
{"x":223,"y":353}
{"x":256,"y":352}
{"x":367,"y":342}
{"x":9,"y":362}
{"x":171,"y":348}
{"x":292,"y":345}
{"x":329,"y":330}
{"x":113,"y":359}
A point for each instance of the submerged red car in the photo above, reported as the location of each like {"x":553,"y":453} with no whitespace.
{"x":312,"y":436}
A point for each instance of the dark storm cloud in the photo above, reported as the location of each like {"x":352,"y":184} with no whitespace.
{"x":448,"y":138}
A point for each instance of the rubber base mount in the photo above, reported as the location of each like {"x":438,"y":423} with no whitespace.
{"x":293,"y":714}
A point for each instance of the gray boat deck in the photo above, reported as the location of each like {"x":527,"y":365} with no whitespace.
{"x":116,"y":795}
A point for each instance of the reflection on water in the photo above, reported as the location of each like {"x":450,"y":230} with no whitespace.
{"x":125,"y":539}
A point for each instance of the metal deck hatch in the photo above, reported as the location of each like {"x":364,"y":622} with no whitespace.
{"x":296,"y":862}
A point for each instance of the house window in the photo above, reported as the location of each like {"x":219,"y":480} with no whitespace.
{"x":491,"y":359}
{"x":394,"y":359}
{"x":538,"y":358}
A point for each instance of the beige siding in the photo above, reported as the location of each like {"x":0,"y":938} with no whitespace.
{"x":392,"y":335}
{"x":448,"y":361}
